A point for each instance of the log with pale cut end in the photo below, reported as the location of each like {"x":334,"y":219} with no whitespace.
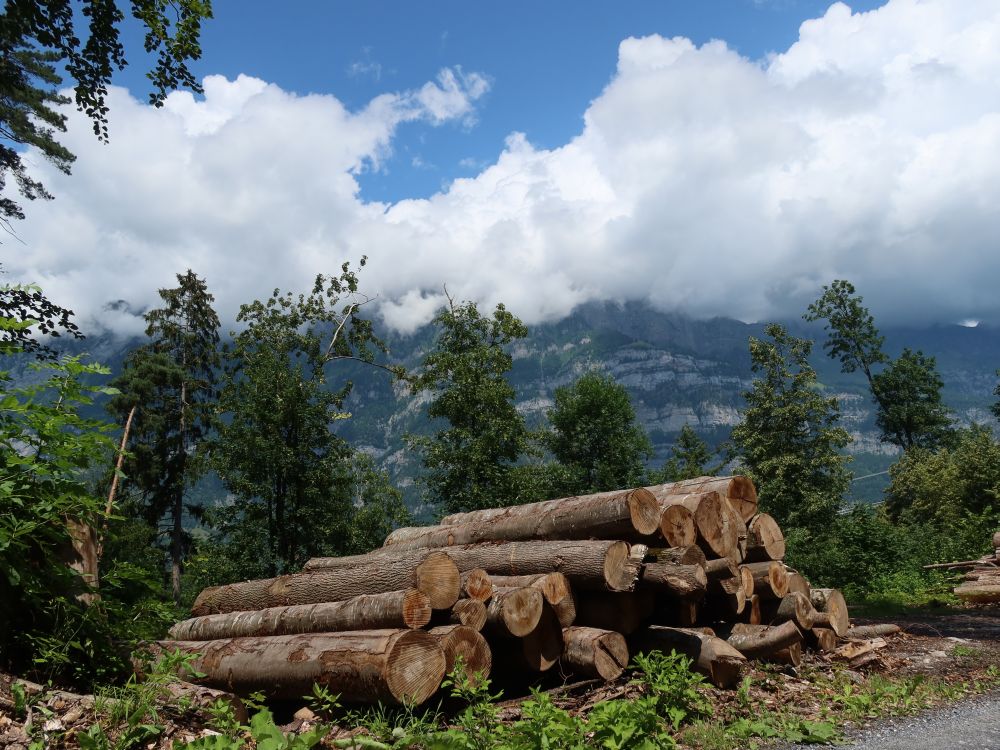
{"x":746,"y":578}
{"x":465,"y":642}
{"x":389,"y":666}
{"x":594,"y":652}
{"x":760,"y":641}
{"x":798,"y":583}
{"x":589,"y":565}
{"x":607,"y":515}
{"x":624,"y":612}
{"x":556,"y":589}
{"x":677,"y":526}
{"x":691,"y":554}
{"x":739,"y":490}
{"x":821,"y":639}
{"x":682,"y":581}
{"x":726,"y":597}
{"x":514,"y":612}
{"x":736,"y":522}
{"x":872,"y":631}
{"x":542,"y":647}
{"x":793,"y":607}
{"x":395,"y":609}
{"x":468,"y":612}
{"x":791,"y":655}
{"x":770,"y":581}
{"x":996,"y":540}
{"x":722,"y":567}
{"x":476,"y":584}
{"x":716,"y":534}
{"x":712,"y":656}
{"x":435,"y":575}
{"x":832,"y":610}
{"x":765,"y":541}
{"x":978,"y":593}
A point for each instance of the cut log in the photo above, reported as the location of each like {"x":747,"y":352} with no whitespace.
{"x":606,"y":515}
{"x":677,"y":613}
{"x":461,"y":641}
{"x":793,"y":607}
{"x":770,"y":581}
{"x":589,"y":565}
{"x":682,"y":581}
{"x":593,"y":652}
{"x":716,"y":535}
{"x":832,"y":610}
{"x":390,"y":666}
{"x":395,"y":609}
{"x":736,"y":522}
{"x":624,"y":612}
{"x":691,"y":554}
{"x":542,"y":647}
{"x":513,"y":612}
{"x":751,"y":611}
{"x":435,"y":575}
{"x":476,"y":584}
{"x":746,"y":578}
{"x":996,"y":540}
{"x":723,"y":567}
{"x":726,"y":597}
{"x":713,"y":657}
{"x":821,"y":639}
{"x":760,"y":641}
{"x":861,"y":632}
{"x":764,"y":539}
{"x":677,"y":526}
{"x":978,"y":592}
{"x":468,"y":612}
{"x":739,"y":490}
{"x":791,"y":655}
{"x":798,"y":583}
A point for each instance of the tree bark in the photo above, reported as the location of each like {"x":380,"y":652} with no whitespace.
{"x":682,"y":581}
{"x":832,"y":610}
{"x":793,"y":607}
{"x":759,"y":641}
{"x":751,"y":611}
{"x":677,"y":613}
{"x":392,"y":666}
{"x":722,"y":567}
{"x":765,"y":541}
{"x":435,"y":575}
{"x":514,"y":612}
{"x":677,"y":526}
{"x":691,"y":554}
{"x":739,"y":490}
{"x":476,"y":584}
{"x":593,"y":652}
{"x":624,"y":612}
{"x":791,"y":655}
{"x":468,"y":612}
{"x":396,"y":609}
{"x":871,"y":631}
{"x":798,"y":583}
{"x":713,"y":657}
{"x":460,"y":641}
{"x":821,"y":639}
{"x":770,"y":581}
{"x":556,"y":589}
{"x":726,"y":597}
{"x":606,"y":515}
{"x":716,"y":534}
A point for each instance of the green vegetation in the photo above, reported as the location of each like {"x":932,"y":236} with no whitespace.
{"x":690,"y":458}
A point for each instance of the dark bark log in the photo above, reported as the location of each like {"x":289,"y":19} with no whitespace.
{"x":722,"y":567}
{"x":682,"y":581}
{"x":676,"y":613}
{"x":770,"y":580}
{"x":726,"y":597}
{"x":691,"y":554}
{"x":593,"y":652}
{"x":542,"y":647}
{"x":713,"y":657}
{"x":821,"y":639}
{"x":751,"y":611}
{"x":872,"y":631}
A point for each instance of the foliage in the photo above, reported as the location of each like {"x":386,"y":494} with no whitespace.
{"x":690,"y":458}
{"x":470,"y":462}
{"x":852,"y":335}
{"x":296,"y":482}
{"x":171,"y":385}
{"x":788,"y":441}
{"x":39,"y":39}
{"x":912,"y":412}
{"x":595,"y":435}
{"x":26,"y":313}
{"x":264,"y":733}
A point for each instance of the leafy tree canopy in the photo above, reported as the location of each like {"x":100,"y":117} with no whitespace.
{"x":853,"y":337}
{"x":913,"y":413}
{"x":689,"y":458}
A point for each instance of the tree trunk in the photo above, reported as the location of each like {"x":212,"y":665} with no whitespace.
{"x":716,"y":535}
{"x":392,"y":666}
{"x":677,"y":526}
{"x":739,"y":490}
{"x":751,"y":611}
{"x":624,"y":612}
{"x":871,"y":631}
{"x":682,"y":581}
{"x":798,"y":583}
{"x":465,"y":642}
{"x":514,"y":612}
{"x":759,"y":641}
{"x":396,"y":609}
{"x":468,"y":612}
{"x":589,"y":565}
{"x":606,"y":515}
{"x":691,"y":554}
{"x":832,"y":610}
{"x":996,"y":540}
{"x":726,"y":597}
{"x":821,"y":639}
{"x":734,"y":519}
{"x":542,"y":647}
{"x":793,"y":607}
{"x":592,"y":652}
{"x":435,"y":576}
{"x":791,"y":655}
{"x":556,"y":589}
{"x":765,"y":541}
{"x":746,"y":578}
{"x":476,"y":584}
{"x":770,"y":581}
{"x":722,"y":567}
{"x":713,"y":657}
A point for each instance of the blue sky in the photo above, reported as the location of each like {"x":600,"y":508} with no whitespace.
{"x":545,"y":60}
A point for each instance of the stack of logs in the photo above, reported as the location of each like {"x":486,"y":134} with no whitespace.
{"x":578,"y":584}
{"x":981,"y":581}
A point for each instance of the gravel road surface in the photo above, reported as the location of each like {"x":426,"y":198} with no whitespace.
{"x":973,"y":724}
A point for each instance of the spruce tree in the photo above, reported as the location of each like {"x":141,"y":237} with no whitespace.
{"x":690,"y":458}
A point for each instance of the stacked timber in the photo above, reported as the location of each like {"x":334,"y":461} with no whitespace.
{"x":579,"y":583}
{"x":981,"y":580}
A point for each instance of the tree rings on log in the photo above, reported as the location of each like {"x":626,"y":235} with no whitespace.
{"x":765,"y":540}
{"x":593,"y":652}
{"x":677,"y":526}
{"x":461,"y":641}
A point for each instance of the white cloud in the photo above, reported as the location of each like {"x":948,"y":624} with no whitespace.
{"x":701,"y":181}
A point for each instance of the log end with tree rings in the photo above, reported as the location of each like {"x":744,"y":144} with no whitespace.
{"x":644,"y":511}
{"x":476,"y":584}
{"x":468,"y":612}
{"x":765,"y":540}
{"x":542,"y":647}
{"x":796,"y":608}
{"x":416,"y":609}
{"x":821,"y":639}
{"x":690,"y":554}
{"x":459,"y":641}
{"x":593,"y":652}
{"x":832,"y":603}
{"x":515,"y":612}
{"x":621,"y":570}
{"x":415,"y":667}
{"x":798,"y":583}
{"x":743,"y":496}
{"x":746,"y":576}
{"x":437,"y":576}
{"x":677,"y":526}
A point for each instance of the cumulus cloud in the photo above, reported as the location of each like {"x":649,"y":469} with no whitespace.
{"x":701,"y":181}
